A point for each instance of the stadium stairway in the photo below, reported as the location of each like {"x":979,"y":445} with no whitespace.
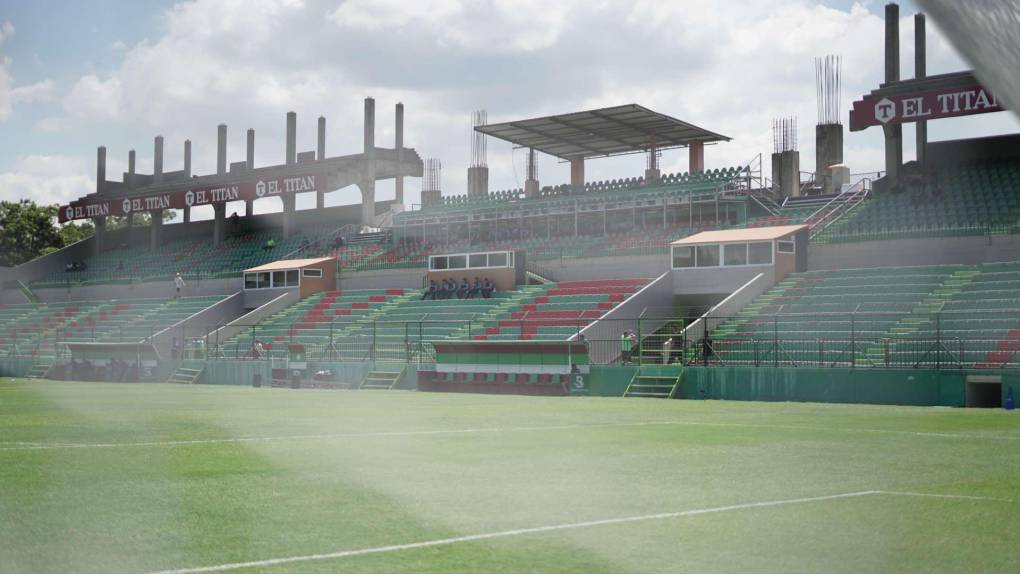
{"x":655,"y":381}
{"x":188,"y":373}
{"x":385,"y":376}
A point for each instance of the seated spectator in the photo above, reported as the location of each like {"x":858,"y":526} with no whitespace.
{"x":464,"y":289}
{"x":487,"y":288}
{"x":432,"y":291}
{"x":476,"y":289}
{"x":234,"y":218}
{"x":69,"y":267}
{"x":270,"y":244}
{"x":450,"y":289}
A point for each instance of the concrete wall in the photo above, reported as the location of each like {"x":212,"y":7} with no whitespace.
{"x":281,"y":302}
{"x":653,"y":304}
{"x":695,"y":281}
{"x":613,"y":267}
{"x":728,"y":306}
{"x":200,"y":323}
{"x":381,"y":279}
{"x":922,"y":251}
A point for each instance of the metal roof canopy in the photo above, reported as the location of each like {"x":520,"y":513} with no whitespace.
{"x":746,"y":234}
{"x":599,"y":133}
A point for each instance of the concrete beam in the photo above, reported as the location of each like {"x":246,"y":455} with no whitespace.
{"x":577,"y":172}
{"x":920,"y":71}
{"x":288,"y":213}
{"x":893,"y":133}
{"x":131,"y":168}
{"x":250,"y":150}
{"x":219,"y":223}
{"x":399,"y":145}
{"x":696,"y":157}
{"x":156,"y":229}
{"x":291,"y":138}
{"x":221,"y":149}
{"x":187,"y":158}
{"x":368,"y":183}
{"x":100,"y":167}
{"x":157,"y":160}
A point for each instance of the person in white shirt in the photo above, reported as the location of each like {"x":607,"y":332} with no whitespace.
{"x":179,"y":284}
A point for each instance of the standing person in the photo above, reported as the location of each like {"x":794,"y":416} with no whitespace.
{"x":625,"y":347}
{"x":667,"y":348}
{"x":635,"y":347}
{"x":178,"y":285}
{"x":259,"y":349}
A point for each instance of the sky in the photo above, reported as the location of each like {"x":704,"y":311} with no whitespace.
{"x":76,"y":75}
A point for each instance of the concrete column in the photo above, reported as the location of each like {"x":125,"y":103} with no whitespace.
{"x":920,"y":71}
{"x":696,"y":154}
{"x":219,"y":222}
{"x":828,"y":152}
{"x":291,"y":138}
{"x":100,"y":234}
{"x":893,"y":133}
{"x":187,"y":214}
{"x":320,"y":154}
{"x":156,"y":229}
{"x":478,"y":181}
{"x":100,"y":168}
{"x":786,"y":172}
{"x":249,"y":207}
{"x":249,"y":161}
{"x":320,"y":139}
{"x":187,"y":158}
{"x":288,"y":213}
{"x":399,"y":145}
{"x":221,"y":149}
{"x":131,"y":168}
{"x":367,"y":185}
{"x":577,"y":172}
{"x":157,"y":160}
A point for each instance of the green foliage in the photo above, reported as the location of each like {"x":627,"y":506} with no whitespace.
{"x":27,"y":230}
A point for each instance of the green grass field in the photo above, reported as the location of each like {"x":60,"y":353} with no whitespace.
{"x":146,"y":478}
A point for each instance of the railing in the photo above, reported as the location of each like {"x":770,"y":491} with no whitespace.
{"x":838,"y":206}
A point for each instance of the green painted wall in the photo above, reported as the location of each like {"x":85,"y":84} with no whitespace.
{"x":877,"y":386}
{"x":15,"y":367}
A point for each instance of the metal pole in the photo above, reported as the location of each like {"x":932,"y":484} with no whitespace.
{"x":853,"y":341}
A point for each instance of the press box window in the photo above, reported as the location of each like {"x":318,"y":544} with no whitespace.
{"x":683,"y":257}
{"x":293,"y":278}
{"x":311,"y":272}
{"x":759,"y":253}
{"x":707,"y":256}
{"x":735,"y":254}
{"x":786,"y":246}
{"x":478,"y":260}
{"x":497,"y":260}
{"x":439,"y":263}
{"x":458,"y":262}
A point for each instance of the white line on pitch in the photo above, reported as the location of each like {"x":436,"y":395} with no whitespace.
{"x":556,"y":527}
{"x":506,"y":533}
{"x":44,"y":446}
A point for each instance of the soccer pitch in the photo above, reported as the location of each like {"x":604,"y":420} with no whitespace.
{"x":153,"y":478}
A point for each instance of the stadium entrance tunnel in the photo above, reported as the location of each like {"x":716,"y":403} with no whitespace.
{"x":984,"y":392}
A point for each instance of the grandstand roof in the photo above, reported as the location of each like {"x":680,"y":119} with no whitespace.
{"x":288,"y":264}
{"x":595,"y":133}
{"x":749,"y":234}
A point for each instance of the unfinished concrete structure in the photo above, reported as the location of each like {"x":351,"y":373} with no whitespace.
{"x":308,"y":172}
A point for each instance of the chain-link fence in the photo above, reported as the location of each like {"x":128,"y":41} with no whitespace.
{"x":942,"y":341}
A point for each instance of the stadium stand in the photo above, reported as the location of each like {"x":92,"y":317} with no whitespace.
{"x":971,"y":199}
{"x":40,"y":329}
{"x":967,"y":315}
{"x":199,"y":258}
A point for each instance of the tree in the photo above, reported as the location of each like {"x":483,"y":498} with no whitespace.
{"x":26,"y":231}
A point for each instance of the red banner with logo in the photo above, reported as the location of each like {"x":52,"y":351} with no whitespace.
{"x":904,"y":108}
{"x":195,"y":197}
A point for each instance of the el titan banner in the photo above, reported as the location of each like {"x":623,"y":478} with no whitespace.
{"x":877,"y":110}
{"x":242,"y":191}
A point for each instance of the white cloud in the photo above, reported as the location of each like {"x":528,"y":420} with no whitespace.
{"x":731,"y":69}
{"x":6,"y":31}
{"x":46,"y":179}
{"x":94,"y":99}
